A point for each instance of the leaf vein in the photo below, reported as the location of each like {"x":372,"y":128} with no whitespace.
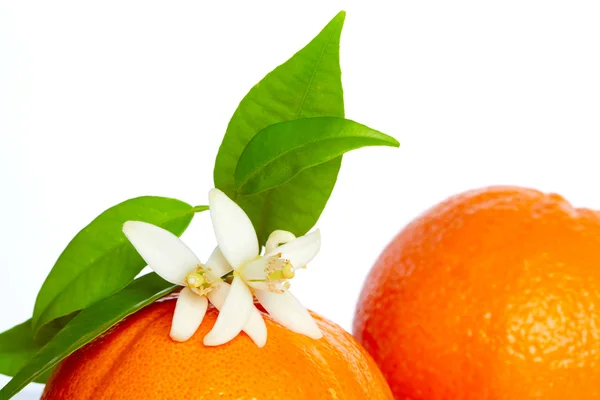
{"x":314,"y":73}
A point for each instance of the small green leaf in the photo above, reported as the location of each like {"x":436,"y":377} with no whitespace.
{"x":307,"y":85}
{"x":88,"y":325}
{"x":100,"y":261}
{"x":17,"y":347}
{"x":281,"y":151}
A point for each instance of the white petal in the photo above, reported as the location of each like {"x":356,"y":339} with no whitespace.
{"x":255,"y":328}
{"x":233,"y":229}
{"x":255,"y":270}
{"x":217,"y":264}
{"x":258,"y":285}
{"x":218,"y":295}
{"x":164,"y":252}
{"x":233,"y":316}
{"x":301,"y":250}
{"x":278,"y":237}
{"x":188,"y":315}
{"x":285,"y":309}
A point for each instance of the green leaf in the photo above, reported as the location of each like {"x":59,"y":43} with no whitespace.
{"x":17,"y":347}
{"x":100,"y":261}
{"x":51,"y":328}
{"x":88,"y":325}
{"x":281,"y":151}
{"x":307,"y":85}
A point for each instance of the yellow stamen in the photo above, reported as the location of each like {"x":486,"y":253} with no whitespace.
{"x":194,"y":279}
{"x":198,"y":283}
{"x":288,"y":271}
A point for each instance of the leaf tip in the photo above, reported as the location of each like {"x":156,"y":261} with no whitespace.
{"x":390,"y":140}
{"x":337,"y":22}
{"x":198,"y":209}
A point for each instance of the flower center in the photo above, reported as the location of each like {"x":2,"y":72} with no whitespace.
{"x":271,"y":273}
{"x":279,"y":269}
{"x":198,"y":282}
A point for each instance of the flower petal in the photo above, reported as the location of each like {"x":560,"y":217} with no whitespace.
{"x":217,"y":264}
{"x":285,"y":309}
{"x":233,"y":316}
{"x":258,"y":285}
{"x":301,"y":250}
{"x":188,"y":315}
{"x":233,"y":229}
{"x":278,"y":237}
{"x":255,"y":328}
{"x":255,"y":270}
{"x":164,"y":252}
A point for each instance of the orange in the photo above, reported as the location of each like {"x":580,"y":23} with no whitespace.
{"x":138,"y":360}
{"x":492,"y":294}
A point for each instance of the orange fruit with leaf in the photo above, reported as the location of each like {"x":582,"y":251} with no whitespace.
{"x":174,"y":349}
{"x":235,"y":330}
{"x":492,"y":294}
{"x":138,"y":360}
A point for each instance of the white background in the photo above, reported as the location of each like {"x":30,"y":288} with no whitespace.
{"x":111,"y":100}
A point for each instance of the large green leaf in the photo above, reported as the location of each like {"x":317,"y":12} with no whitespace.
{"x":17,"y":347}
{"x":100,"y":261}
{"x":88,"y":325}
{"x":281,"y":151}
{"x":307,"y":85}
